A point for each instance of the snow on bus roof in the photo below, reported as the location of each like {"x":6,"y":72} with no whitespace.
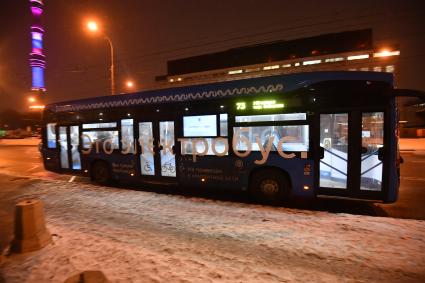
{"x":235,"y":88}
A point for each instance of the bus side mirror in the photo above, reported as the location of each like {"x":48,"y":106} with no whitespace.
{"x":321,"y":152}
{"x":381,"y":153}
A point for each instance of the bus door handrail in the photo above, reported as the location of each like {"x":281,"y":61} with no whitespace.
{"x":373,"y":167}
{"x":342,"y":158}
{"x":369,"y":155}
{"x":345,"y":174}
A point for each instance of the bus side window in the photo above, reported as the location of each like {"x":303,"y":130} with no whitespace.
{"x":223,"y":125}
{"x":204,"y":127}
{"x":51,"y":135}
{"x":127,"y":135}
{"x":298,"y":137}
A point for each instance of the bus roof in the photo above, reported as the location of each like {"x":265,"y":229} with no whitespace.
{"x":235,"y":88}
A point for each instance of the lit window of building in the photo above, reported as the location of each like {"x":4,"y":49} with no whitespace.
{"x":252,"y":70}
{"x":358,"y":57}
{"x":377,"y":69}
{"x":271,"y":67}
{"x":389,"y":69}
{"x":312,"y":62}
{"x":233,"y":72}
{"x":386,"y":53}
{"x":336,"y":59}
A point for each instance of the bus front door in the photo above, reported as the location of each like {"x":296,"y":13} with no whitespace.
{"x":157,"y":140}
{"x":69,"y":141}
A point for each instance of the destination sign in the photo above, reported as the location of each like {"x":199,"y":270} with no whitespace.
{"x":260,"y":105}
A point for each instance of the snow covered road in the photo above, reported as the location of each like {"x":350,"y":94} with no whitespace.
{"x":137,"y":236}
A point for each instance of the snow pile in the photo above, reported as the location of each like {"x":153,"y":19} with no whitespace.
{"x":135,"y":236}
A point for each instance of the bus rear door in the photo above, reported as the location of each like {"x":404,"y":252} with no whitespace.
{"x":349,"y":159}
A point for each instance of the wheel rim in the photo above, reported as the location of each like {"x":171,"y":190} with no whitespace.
{"x":269,"y":187}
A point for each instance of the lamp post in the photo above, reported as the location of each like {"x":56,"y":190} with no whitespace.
{"x":93,"y":27}
{"x":112,"y":64}
{"x":34,"y":104}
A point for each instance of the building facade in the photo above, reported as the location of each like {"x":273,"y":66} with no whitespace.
{"x":349,"y":51}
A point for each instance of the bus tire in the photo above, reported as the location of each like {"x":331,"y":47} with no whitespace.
{"x":100,"y":173}
{"x":270,"y":185}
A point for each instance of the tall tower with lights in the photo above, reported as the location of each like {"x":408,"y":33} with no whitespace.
{"x":37,"y":58}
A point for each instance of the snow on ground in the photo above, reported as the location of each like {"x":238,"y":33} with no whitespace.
{"x":137,"y":236}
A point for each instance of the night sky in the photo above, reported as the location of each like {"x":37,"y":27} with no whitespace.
{"x":148,"y":33}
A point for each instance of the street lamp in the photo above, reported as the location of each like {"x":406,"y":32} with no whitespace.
{"x":93,"y":27}
{"x":129,"y":84}
{"x":32,"y":106}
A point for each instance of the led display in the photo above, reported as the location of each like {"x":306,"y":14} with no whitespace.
{"x":37,"y":77}
{"x":200,"y":126}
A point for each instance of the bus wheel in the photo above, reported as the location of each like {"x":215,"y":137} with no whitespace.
{"x":100,"y":173}
{"x":270,"y":186}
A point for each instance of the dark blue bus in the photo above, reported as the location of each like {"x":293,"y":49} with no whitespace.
{"x":296,"y":135}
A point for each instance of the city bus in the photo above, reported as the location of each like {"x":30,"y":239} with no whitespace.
{"x":281,"y":137}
